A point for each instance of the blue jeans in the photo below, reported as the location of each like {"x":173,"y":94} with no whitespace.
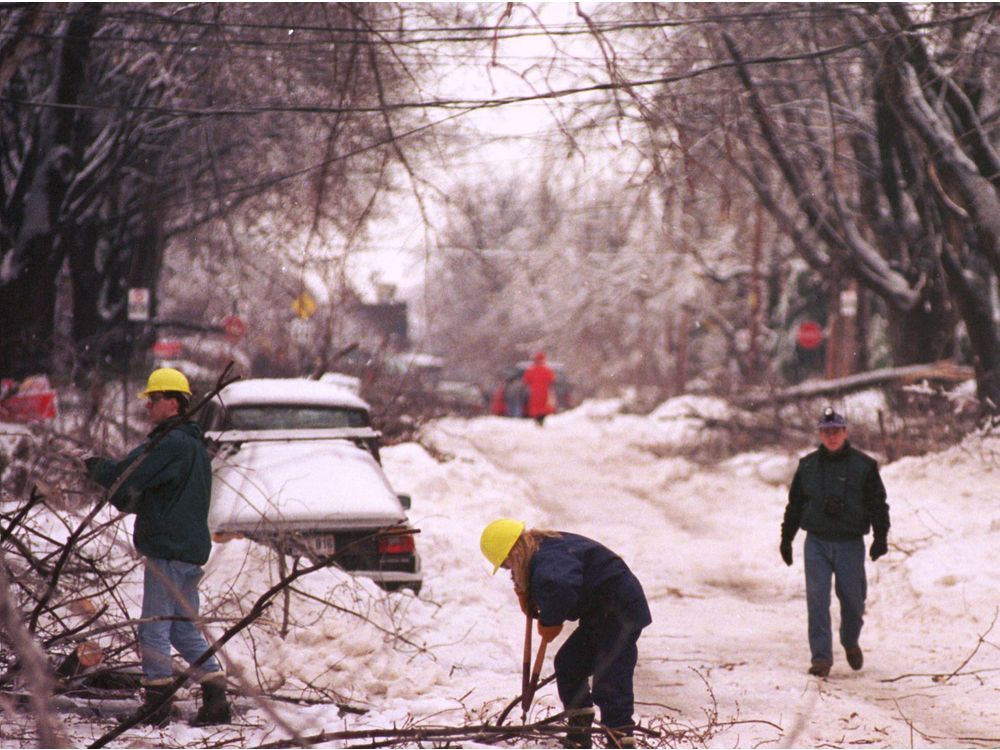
{"x":170,"y":589}
{"x":845,"y":561}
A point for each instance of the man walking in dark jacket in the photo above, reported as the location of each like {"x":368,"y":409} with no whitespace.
{"x":836,"y":496}
{"x":168,"y":486}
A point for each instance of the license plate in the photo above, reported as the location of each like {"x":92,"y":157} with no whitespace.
{"x":323,"y":545}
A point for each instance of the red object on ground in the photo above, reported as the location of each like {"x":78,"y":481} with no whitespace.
{"x":539,"y":379}
{"x":810,"y":335}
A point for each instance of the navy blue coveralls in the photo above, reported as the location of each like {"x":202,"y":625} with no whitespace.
{"x":576,"y":578}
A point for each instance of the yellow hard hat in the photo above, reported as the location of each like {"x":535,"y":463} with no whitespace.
{"x":166,"y":379}
{"x":498,"y":539}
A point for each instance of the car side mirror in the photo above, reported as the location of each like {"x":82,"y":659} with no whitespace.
{"x":406,"y":501}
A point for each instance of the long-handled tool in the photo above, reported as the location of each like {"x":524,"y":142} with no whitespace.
{"x":536,"y":672}
{"x":526,"y":666}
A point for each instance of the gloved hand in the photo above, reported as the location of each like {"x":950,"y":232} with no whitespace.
{"x":549,"y":632}
{"x":527,"y":606}
{"x":879,"y":547}
{"x":786,"y":551}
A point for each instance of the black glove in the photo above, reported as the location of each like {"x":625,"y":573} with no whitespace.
{"x":879,"y":547}
{"x":786,"y":551}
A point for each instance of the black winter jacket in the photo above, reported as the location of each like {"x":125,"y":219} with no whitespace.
{"x":169,"y":492}
{"x":836,"y":496}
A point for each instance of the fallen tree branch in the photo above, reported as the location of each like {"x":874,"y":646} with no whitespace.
{"x":943,"y":678}
{"x":945,"y":371}
{"x":485,"y":733}
{"x":33,"y":665}
{"x":262,"y":603}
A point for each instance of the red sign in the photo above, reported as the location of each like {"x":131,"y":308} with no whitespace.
{"x":810,"y":335}
{"x":29,"y":407}
{"x":234,"y":327}
{"x":167,"y":349}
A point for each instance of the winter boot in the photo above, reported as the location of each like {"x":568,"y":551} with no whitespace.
{"x":214,"y":706}
{"x":855,"y":657}
{"x":621,"y":736}
{"x":820,"y":668}
{"x":578,"y":723}
{"x":155,"y":706}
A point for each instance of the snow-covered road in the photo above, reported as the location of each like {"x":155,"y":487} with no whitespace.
{"x":728,"y":639}
{"x":724,"y":662}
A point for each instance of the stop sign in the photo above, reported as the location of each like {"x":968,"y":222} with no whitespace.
{"x":234,"y":327}
{"x":810,"y":334}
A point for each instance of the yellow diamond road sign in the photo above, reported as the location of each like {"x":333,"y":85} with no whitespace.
{"x":304,"y":305}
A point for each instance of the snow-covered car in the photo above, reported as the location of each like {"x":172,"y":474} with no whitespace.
{"x":296,"y":467}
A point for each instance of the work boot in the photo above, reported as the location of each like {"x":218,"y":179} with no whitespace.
{"x":820,"y":668}
{"x":620,"y":737}
{"x":153,"y":695}
{"x":214,"y":706}
{"x":578,"y":722}
{"x":855,"y":657}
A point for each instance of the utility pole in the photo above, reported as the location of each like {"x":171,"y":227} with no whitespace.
{"x":756,"y":296}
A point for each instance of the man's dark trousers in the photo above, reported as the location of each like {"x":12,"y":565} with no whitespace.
{"x":843,"y":560}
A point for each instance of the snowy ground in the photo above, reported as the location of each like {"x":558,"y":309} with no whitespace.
{"x":727,"y":648}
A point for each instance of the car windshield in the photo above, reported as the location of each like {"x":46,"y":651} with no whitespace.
{"x":290,"y":417}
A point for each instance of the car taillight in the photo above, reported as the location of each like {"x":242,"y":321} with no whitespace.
{"x":396,"y":544}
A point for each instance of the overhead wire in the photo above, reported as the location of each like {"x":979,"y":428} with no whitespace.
{"x":451,"y":103}
{"x":487,"y":32}
{"x":464,"y":106}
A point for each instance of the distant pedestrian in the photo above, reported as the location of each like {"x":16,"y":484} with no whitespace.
{"x":497,"y":406}
{"x":169,"y":491}
{"x":539,"y":380}
{"x":560,"y":576}
{"x":514,"y":395}
{"x":836,"y":496}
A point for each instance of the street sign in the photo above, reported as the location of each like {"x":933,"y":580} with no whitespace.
{"x":849,"y":303}
{"x":234,"y":327}
{"x":304,"y":306}
{"x":167,"y":349}
{"x":138,"y":304}
{"x":31,"y":400}
{"x":810,"y":335}
{"x":301,"y":331}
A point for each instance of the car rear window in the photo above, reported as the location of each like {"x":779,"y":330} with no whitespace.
{"x":285,"y":417}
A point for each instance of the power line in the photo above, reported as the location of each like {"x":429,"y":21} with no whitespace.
{"x":489,"y":34}
{"x":463,"y":104}
{"x":486,"y":32}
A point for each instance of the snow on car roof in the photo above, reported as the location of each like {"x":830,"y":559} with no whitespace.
{"x":290,"y":391}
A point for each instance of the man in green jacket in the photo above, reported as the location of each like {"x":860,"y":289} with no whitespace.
{"x":836,"y":496}
{"x":168,"y":485}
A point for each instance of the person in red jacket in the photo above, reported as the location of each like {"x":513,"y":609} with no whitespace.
{"x":539,"y":379}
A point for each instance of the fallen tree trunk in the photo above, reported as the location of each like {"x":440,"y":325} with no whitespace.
{"x":945,"y":371}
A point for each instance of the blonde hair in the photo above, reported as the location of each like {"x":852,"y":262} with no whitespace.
{"x":519,"y":557}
